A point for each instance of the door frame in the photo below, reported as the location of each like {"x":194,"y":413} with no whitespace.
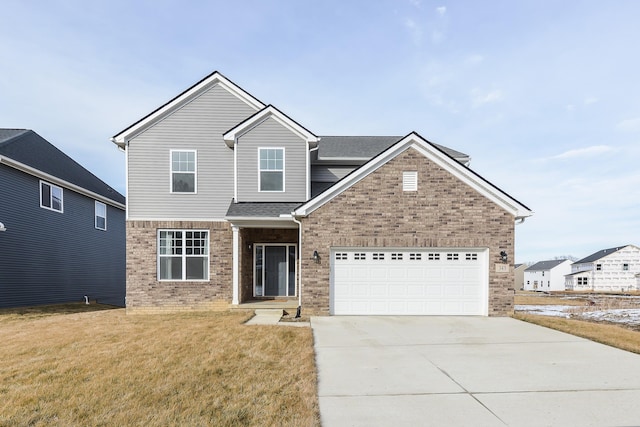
{"x":295,"y":269}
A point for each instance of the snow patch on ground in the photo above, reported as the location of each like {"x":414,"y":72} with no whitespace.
{"x":626,"y":316}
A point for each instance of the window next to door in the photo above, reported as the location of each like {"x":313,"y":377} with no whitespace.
{"x":183,"y":255}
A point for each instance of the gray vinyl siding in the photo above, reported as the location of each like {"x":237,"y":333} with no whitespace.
{"x":321,"y":173}
{"x":198,"y":125}
{"x":271,"y":134}
{"x":48,"y":257}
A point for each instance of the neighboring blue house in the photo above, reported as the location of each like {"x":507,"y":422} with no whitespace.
{"x":62,"y":231}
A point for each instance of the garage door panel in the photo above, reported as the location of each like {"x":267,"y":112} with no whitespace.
{"x":409,"y":281}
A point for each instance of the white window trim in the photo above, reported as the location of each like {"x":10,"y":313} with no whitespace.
{"x":272,"y":170}
{"x":96,"y":216}
{"x":183,"y":256}
{"x":52,"y":186}
{"x":195,"y":171}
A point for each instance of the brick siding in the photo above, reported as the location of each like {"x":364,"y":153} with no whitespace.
{"x":375,"y":212}
{"x":146,"y":294}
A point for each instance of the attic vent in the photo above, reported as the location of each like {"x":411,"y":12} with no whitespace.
{"x":410,"y":181}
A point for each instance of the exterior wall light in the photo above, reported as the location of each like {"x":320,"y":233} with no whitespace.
{"x":2,"y":227}
{"x":503,"y":256}
{"x":316,"y":257}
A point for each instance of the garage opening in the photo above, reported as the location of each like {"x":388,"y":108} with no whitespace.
{"x":409,"y":281}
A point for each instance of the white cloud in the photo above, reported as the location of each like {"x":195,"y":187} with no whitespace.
{"x":570,"y":107}
{"x":480,"y":98}
{"x":594,"y":150}
{"x":441,"y":10}
{"x":416,"y":3}
{"x":590,"y":100}
{"x":414,"y":30}
{"x":629,"y":125}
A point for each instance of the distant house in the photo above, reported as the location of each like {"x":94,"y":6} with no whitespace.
{"x":547,"y":275}
{"x":614,"y":269}
{"x":63,"y":228}
{"x":518,"y":272}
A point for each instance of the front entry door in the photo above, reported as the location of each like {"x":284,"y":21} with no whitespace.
{"x":275,"y":270}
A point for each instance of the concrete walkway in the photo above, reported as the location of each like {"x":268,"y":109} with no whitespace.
{"x":469,"y":371}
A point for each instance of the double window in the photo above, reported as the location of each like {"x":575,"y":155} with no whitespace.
{"x":101,"y":216}
{"x":183,"y":255}
{"x":50,"y":196}
{"x":271,"y":164}
{"x":183,"y":171}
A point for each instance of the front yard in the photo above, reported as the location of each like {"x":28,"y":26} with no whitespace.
{"x":72,"y":367}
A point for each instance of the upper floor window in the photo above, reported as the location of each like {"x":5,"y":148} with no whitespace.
{"x":50,"y":196}
{"x":183,"y":171}
{"x":271,"y":169}
{"x":101,"y":216}
{"x":598,"y":267}
{"x":625,"y":267}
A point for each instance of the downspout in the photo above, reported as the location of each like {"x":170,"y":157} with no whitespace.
{"x":299,"y":264}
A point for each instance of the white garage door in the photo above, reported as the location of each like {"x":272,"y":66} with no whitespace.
{"x":409,"y":281}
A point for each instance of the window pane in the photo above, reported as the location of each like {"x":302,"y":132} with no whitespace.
{"x":46,"y":195}
{"x":101,"y":223}
{"x":56,"y":198}
{"x":171,"y":268}
{"x":271,"y":181}
{"x":184,"y":183}
{"x":196,"y":268}
{"x":258,"y":271}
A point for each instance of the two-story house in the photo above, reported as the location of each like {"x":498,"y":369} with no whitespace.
{"x":547,"y":276}
{"x":232,"y":201}
{"x":63,"y":229}
{"x":612,"y":269}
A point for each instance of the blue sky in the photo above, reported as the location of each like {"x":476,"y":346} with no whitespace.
{"x":544,"y":95}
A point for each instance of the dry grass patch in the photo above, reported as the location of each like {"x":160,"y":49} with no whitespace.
{"x":107,"y":368}
{"x":544,"y":299}
{"x":615,"y":336}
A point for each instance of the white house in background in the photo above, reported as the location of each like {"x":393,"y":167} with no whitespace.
{"x":614,"y":269}
{"x":547,"y":275}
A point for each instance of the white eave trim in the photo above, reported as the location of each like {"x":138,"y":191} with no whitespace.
{"x":452,"y":166}
{"x":61,"y":182}
{"x":268,"y":112}
{"x":216,"y":78}
{"x":259,"y":222}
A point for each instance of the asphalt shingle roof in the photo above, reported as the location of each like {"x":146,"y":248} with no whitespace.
{"x":545,"y":265}
{"x":27,"y":147}
{"x":600,"y":254}
{"x":364,"y":146}
{"x":261,"y":209}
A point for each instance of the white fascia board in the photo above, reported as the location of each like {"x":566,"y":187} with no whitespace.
{"x":262,"y":222}
{"x":449,"y":164}
{"x":268,"y":112}
{"x":61,"y":182}
{"x":193,"y":92}
{"x":180,"y":219}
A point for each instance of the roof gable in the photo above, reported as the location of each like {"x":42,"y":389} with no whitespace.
{"x":268,"y":112}
{"x":188,"y":95}
{"x":29,"y":152}
{"x":433,"y":153}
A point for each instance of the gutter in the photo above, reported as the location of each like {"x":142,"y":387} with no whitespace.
{"x":300,"y":263}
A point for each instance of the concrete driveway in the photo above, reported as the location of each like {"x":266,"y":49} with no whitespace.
{"x":469,"y":371}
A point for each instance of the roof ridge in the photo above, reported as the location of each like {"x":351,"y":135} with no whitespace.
{"x":13,"y":138}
